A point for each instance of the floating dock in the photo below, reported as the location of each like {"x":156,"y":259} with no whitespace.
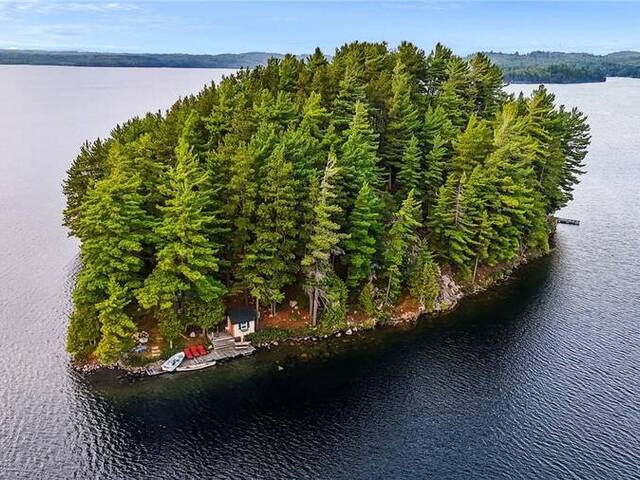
{"x":568,"y":221}
{"x":224,"y":348}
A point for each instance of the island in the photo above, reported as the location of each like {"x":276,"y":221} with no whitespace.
{"x":562,"y":67}
{"x":308,"y":197}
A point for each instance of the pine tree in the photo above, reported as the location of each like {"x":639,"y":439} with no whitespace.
{"x":472,"y":147}
{"x":433,"y":174}
{"x":410,"y":174}
{"x":399,"y":239}
{"x":437,"y":68}
{"x":350,"y":92}
{"x":114,"y":228}
{"x":574,"y":140}
{"x":436,"y":124}
{"x":511,"y":188}
{"x":89,"y":167}
{"x":454,"y":95}
{"x":324,"y":241}
{"x":187,"y":258}
{"x":404,"y":121}
{"x":289,"y":67}
{"x":358,"y":161}
{"x":488,"y":83}
{"x":240,"y":204}
{"x":314,"y":117}
{"x":117,"y":327}
{"x":270,"y":261}
{"x":364,"y":228}
{"x":424,"y":284}
{"x":450,"y":225}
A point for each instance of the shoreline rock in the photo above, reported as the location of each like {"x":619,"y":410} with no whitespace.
{"x":449,"y":297}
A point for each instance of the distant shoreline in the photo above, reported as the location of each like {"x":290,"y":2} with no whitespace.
{"x":529,"y":68}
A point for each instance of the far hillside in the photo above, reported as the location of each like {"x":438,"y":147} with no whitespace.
{"x":560,"y":67}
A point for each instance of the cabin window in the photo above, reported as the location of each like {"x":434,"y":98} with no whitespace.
{"x":244,"y":326}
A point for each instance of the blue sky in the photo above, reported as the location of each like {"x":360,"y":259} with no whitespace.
{"x":299,"y":26}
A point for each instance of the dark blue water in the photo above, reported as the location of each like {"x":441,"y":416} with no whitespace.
{"x":539,"y":379}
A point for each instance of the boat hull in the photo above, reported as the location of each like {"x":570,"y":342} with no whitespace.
{"x":173,"y":362}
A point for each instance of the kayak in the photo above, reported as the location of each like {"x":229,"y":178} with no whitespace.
{"x":172,"y":363}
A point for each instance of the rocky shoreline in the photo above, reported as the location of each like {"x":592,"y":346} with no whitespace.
{"x":451,"y":293}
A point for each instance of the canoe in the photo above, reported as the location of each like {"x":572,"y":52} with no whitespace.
{"x":195,"y":366}
{"x":172,"y":363}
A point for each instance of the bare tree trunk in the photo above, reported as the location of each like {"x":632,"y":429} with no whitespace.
{"x":314,"y":315}
{"x":475,"y":270}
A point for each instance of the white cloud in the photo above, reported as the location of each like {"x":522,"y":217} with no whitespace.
{"x":41,"y":7}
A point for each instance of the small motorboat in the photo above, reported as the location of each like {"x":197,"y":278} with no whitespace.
{"x":196,"y":366}
{"x":172,"y":363}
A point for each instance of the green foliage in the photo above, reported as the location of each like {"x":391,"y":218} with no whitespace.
{"x":365,"y":228}
{"x":269,"y":264}
{"x":269,"y":335}
{"x":205,"y":315}
{"x":324,"y":240}
{"x":186,"y":258}
{"x":424,"y":284}
{"x":559,"y":67}
{"x":400,"y":239}
{"x":366,"y":300}
{"x":334,"y":313}
{"x":410,"y":171}
{"x":345,"y":177}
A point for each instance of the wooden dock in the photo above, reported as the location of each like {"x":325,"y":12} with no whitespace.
{"x":567,"y":221}
{"x":224,"y":348}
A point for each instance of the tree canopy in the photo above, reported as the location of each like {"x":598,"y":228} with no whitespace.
{"x":355,"y":179}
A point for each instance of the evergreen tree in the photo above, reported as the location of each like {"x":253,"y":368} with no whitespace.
{"x":358,"y":161}
{"x":472,"y":147}
{"x":270,"y":262}
{"x":403,"y":121}
{"x":424,"y":284}
{"x":114,"y":228}
{"x":364,"y":230}
{"x":410,"y":173}
{"x":454,"y":94}
{"x":450,"y":223}
{"x":350,"y":92}
{"x":117,"y":327}
{"x":89,"y":167}
{"x":400,"y":238}
{"x":437,"y":68}
{"x":433,"y":174}
{"x":324,"y":241}
{"x":187,"y":258}
{"x":488,"y":83}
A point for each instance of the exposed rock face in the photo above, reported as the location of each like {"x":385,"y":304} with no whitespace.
{"x":450,"y":294}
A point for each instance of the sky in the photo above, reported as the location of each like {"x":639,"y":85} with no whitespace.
{"x":299,"y":26}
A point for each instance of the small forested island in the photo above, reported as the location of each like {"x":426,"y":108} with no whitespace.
{"x":561,"y":67}
{"x":323,"y":194}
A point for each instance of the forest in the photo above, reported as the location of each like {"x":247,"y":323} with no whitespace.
{"x":137,"y":60}
{"x":560,"y":67}
{"x":347,"y":183}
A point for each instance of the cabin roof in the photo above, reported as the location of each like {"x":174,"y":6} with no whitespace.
{"x":241,"y":314}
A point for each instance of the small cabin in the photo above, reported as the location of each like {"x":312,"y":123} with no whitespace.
{"x":241,"y":321}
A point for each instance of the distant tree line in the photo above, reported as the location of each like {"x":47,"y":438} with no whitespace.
{"x":534,"y":67}
{"x":558,"y":67}
{"x":351,"y":181}
{"x":106,"y":59}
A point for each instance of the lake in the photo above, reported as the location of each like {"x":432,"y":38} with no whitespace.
{"x":538,"y":379}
